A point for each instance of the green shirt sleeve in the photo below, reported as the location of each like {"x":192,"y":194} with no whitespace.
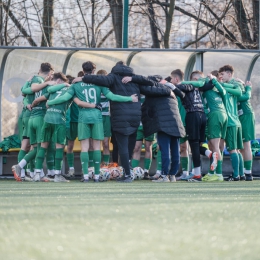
{"x":196,"y":84}
{"x":59,"y":100}
{"x":236,"y":91}
{"x":27,"y":91}
{"x":227,"y":85}
{"x":117,"y":98}
{"x":219,"y":87}
{"x":56,"y":88}
{"x":245,"y":95}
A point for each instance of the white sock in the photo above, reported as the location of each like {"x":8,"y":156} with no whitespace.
{"x":23,"y":173}
{"x":208,"y":153}
{"x":145,"y":170}
{"x":51,"y":172}
{"x":22,"y":163}
{"x":71,"y":168}
{"x":37,"y":171}
{"x":86,"y":176}
{"x":158,"y":172}
{"x":185,"y":173}
{"x":42,"y":173}
{"x":96,"y":176}
{"x":197,"y":171}
{"x":247,"y":171}
{"x":31,"y":174}
{"x":57,"y":172}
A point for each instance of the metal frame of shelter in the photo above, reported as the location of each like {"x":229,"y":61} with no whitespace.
{"x":195,"y":59}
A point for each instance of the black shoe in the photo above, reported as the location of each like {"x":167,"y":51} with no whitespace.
{"x":242,"y":178}
{"x":231,"y":178}
{"x":146,"y":176}
{"x":249,"y":177}
{"x":126,"y":178}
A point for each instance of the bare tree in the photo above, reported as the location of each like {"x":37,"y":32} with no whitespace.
{"x":47,"y":23}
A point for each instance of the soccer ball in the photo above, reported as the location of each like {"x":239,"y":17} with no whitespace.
{"x":91,"y":173}
{"x":139,"y":173}
{"x":104,"y":174}
{"x":132,"y":174}
{"x":114,"y":173}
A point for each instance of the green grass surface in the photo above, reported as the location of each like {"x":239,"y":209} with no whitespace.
{"x":141,"y":220}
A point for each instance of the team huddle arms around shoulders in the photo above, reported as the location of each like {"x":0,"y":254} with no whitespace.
{"x":168,"y":117}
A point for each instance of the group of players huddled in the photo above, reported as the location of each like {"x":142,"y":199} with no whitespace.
{"x":132,"y":108}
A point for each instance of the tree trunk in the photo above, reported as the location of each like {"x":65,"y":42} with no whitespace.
{"x":242,"y":22}
{"x":93,"y":40}
{"x":169,"y":18}
{"x":47,"y":23}
{"x":1,"y":23}
{"x":256,"y":22}
{"x":153,"y":26}
{"x":116,"y":7}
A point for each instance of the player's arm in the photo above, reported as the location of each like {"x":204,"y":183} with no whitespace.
{"x":99,"y":80}
{"x":196,"y":84}
{"x":118,"y":98}
{"x":55,"y":88}
{"x":84,"y":104}
{"x":64,"y":98}
{"x":219,"y":87}
{"x":138,"y":79}
{"x":38,"y":100}
{"x":247,"y":94}
{"x":236,"y":91}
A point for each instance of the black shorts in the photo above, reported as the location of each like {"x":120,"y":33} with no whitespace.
{"x":195,"y":126}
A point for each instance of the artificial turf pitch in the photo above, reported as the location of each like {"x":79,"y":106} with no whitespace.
{"x":140,"y":220}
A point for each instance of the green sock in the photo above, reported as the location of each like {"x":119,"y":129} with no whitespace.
{"x":40,"y":158}
{"x":97,"y":161}
{"x":106,"y":158}
{"x":185,"y":163}
{"x":248,"y":167}
{"x":50,"y":156}
{"x":235,"y":164}
{"x":135,"y":163}
{"x":84,"y":158}
{"x":32,"y":165}
{"x":219,"y":168}
{"x":90,"y":162}
{"x":31,"y":155}
{"x":21,"y":155}
{"x":241,"y":164}
{"x":147,"y":163}
{"x":70,"y":159}
{"x":159,"y":161}
{"x":58,"y":158}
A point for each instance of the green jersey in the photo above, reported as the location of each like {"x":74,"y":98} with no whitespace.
{"x":30,"y":98}
{"x":244,"y":104}
{"x":56,"y":114}
{"x":92,"y":94}
{"x":182,"y":111}
{"x":105,"y":105}
{"x":40,"y":108}
{"x":213,"y":101}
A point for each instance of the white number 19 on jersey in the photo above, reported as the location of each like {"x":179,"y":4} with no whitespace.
{"x":90,"y":94}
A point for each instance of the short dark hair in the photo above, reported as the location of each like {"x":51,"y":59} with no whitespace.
{"x":70,"y":78}
{"x":102,"y":72}
{"x":81,"y":73}
{"x":46,"y":67}
{"x":88,"y":67}
{"x":214,"y":73}
{"x":179,"y":73}
{"x":196,"y":72}
{"x":228,"y":68}
{"x":60,"y":75}
{"x":168,"y":79}
{"x":120,"y":63}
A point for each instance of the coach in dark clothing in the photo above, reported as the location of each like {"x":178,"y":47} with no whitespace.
{"x":161,"y":115}
{"x":125,"y":117}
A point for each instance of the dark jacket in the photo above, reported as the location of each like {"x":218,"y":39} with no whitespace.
{"x":160,"y":113}
{"x":192,"y":101}
{"x":125,"y":116}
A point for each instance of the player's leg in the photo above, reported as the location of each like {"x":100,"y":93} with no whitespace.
{"x":184,"y":158}
{"x":60,"y":141}
{"x":148,"y":155}
{"x":107,"y":135}
{"x":50,"y":158}
{"x":231,"y":144}
{"x":239,"y":147}
{"x":137,"y":153}
{"x":164,"y":141}
{"x":97,"y":134}
{"x":175,"y":158}
{"x":248,"y":134}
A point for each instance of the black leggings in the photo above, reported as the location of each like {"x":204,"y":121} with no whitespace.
{"x":126,"y":145}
